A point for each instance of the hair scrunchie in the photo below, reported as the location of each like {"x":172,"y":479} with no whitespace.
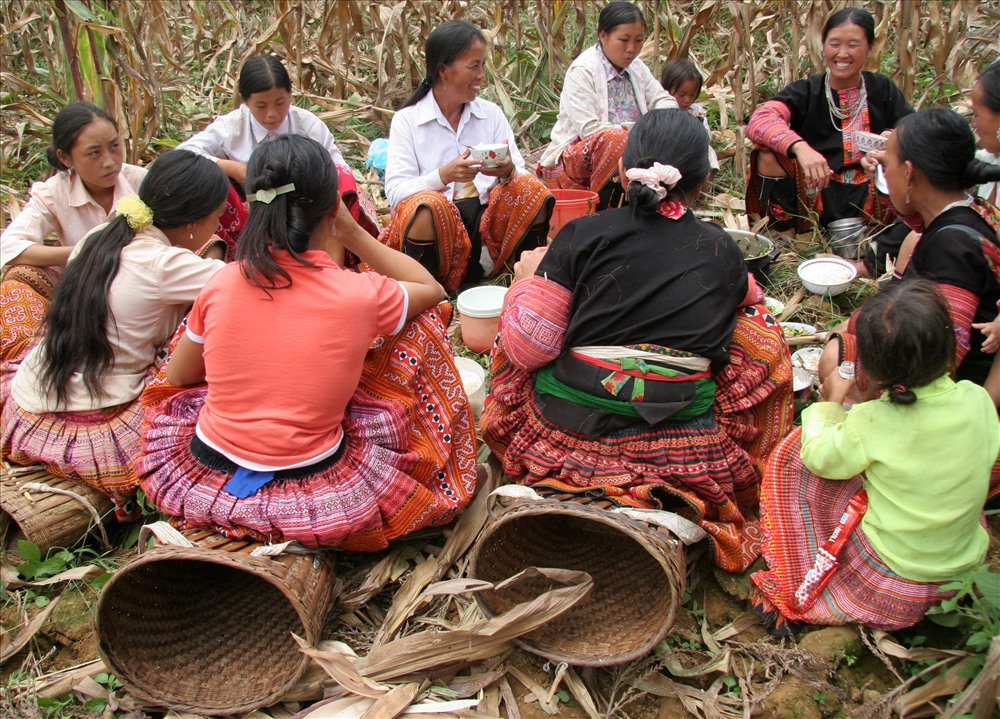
{"x":659,"y":178}
{"x":135,"y":211}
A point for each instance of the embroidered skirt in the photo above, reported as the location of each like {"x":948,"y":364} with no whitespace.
{"x":704,"y":468}
{"x":409,"y":458}
{"x":799,"y":511}
{"x":512,"y":211}
{"x":588,"y":164}
{"x":96,"y":447}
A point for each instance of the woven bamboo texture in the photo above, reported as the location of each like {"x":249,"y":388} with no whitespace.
{"x":208,"y":629}
{"x":638,"y":573}
{"x":48,"y":518}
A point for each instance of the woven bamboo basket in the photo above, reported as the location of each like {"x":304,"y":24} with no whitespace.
{"x":48,"y":510}
{"x":638,"y":573}
{"x":208,"y":628}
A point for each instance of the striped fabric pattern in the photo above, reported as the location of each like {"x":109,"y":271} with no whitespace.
{"x":589,"y":164}
{"x":799,"y":511}
{"x":409,"y":460}
{"x":702,"y":468}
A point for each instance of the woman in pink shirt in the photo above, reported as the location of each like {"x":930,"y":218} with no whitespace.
{"x":345,"y":422}
{"x":91,"y":176}
{"x":71,"y":400}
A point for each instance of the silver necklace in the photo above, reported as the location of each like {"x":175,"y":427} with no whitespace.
{"x":851,"y":113}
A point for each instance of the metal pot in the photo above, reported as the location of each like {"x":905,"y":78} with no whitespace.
{"x":758,"y":252}
{"x":846,"y":236}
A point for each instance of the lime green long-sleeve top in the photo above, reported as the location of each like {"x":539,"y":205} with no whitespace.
{"x":927,"y":469}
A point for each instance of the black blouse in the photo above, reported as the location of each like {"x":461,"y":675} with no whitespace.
{"x":952,"y":257}
{"x":643,"y":278}
{"x":811,"y":112}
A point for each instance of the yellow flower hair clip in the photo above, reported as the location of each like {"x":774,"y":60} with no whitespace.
{"x":136,"y":211}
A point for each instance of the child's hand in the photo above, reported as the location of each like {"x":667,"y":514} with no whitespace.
{"x":992,"y":331}
{"x":836,"y":388}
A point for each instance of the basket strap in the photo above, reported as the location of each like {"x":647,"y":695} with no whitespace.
{"x":164,"y":533}
{"x":680,"y":527}
{"x":84,"y":502}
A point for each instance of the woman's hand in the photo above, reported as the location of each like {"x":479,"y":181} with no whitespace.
{"x":463,"y":168}
{"x":871,"y":161}
{"x":234,"y":170}
{"x":814,"y":166}
{"x":528,"y":264}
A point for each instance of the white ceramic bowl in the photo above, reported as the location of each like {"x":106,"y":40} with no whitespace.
{"x":802,"y":382}
{"x":775,"y":307}
{"x":474,"y":381}
{"x":807,"y":358}
{"x":827,"y":275}
{"x":797,"y":329}
{"x":489,"y":155}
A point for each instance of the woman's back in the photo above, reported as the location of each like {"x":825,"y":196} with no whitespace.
{"x":642,"y":278}
{"x":293,"y":384}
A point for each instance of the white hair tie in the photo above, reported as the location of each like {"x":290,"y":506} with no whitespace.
{"x":659,"y":178}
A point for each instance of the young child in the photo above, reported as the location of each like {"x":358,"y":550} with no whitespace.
{"x":922,"y":451}
{"x":303,"y":433}
{"x":267,"y":112}
{"x":682,"y":80}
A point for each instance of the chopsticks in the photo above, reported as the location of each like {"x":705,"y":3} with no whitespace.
{"x":807,"y":339}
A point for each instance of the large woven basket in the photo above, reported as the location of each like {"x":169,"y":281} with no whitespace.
{"x":47,"y":510}
{"x":638,"y":573}
{"x":208,"y":628}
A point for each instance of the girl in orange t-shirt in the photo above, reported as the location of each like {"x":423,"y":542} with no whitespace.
{"x":333,"y":413}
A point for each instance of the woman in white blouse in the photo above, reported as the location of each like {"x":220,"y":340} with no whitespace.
{"x":606,"y":89}
{"x":461,"y":218}
{"x":71,"y":400}
{"x":267,"y":112}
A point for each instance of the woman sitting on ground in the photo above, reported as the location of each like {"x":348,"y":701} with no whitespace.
{"x":91,"y":177}
{"x":807,"y":158}
{"x":606,"y":89}
{"x":267,"y":112}
{"x":911,"y":465}
{"x":345,"y":424}
{"x":71,"y":400}
{"x":459,"y":217}
{"x":631,"y":366}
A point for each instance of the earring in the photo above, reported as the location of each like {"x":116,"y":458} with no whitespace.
{"x":190,"y":236}
{"x":907,"y":198}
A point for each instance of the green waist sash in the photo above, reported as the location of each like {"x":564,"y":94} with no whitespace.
{"x":547,"y":383}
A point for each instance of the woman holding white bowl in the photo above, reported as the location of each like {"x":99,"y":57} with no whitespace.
{"x":459,"y":215}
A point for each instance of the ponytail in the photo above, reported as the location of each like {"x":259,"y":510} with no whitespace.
{"x":287,"y":220}
{"x":977,"y":172}
{"x":76,"y":336}
{"x":180,"y":187}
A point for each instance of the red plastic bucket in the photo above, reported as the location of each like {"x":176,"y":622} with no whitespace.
{"x":570,"y":204}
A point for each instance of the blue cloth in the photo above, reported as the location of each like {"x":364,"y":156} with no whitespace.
{"x":378,"y":151}
{"x":247,"y":482}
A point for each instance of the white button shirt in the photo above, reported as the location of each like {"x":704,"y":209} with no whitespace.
{"x":421,"y":141}
{"x":235,"y":135}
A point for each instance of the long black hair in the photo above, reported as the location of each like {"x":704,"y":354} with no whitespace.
{"x":852,"y":16}
{"x":619,"y":13}
{"x":906,"y":338}
{"x":180,"y":187}
{"x":67,"y":126}
{"x":670,"y":137}
{"x":989,"y":80}
{"x":445,"y":43}
{"x":941,"y":144}
{"x":287,"y":221}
